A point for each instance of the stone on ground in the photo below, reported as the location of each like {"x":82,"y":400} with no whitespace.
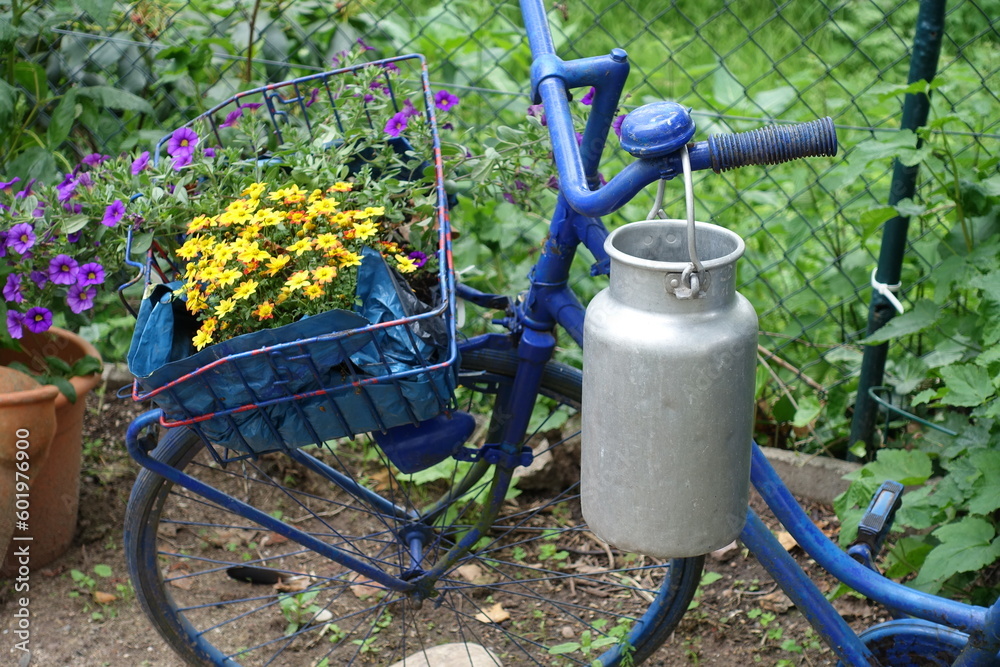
{"x":451,"y":655}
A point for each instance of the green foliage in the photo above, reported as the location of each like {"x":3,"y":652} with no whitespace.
{"x":298,"y":609}
{"x":42,"y":106}
{"x":951,"y":523}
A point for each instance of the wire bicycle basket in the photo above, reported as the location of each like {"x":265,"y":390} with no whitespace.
{"x":389,"y":362}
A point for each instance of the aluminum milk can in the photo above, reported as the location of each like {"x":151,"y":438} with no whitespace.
{"x":668,"y":385}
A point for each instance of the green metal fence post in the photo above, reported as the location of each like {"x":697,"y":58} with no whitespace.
{"x":923,"y":66}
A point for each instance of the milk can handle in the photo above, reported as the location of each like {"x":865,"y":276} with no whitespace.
{"x":691,"y":278}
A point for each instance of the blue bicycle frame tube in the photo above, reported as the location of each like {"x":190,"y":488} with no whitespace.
{"x":249,"y":512}
{"x":967,"y":618}
{"x":834,"y":630}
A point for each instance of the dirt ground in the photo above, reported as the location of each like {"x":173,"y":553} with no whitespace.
{"x":740,"y":618}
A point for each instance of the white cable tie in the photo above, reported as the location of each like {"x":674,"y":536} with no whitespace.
{"x":887,"y":291}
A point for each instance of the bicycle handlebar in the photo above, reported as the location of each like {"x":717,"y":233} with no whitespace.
{"x":772,"y":145}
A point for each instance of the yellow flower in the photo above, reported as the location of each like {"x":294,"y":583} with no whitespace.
{"x":340,"y":186}
{"x":349,"y":259}
{"x":222,"y":253}
{"x":404,"y":264}
{"x":323,"y":207}
{"x":275,"y":264}
{"x":255,"y":190}
{"x":264,"y":311}
{"x":253,"y":253}
{"x":282,"y":296}
{"x":200,"y":222}
{"x":324,"y":274}
{"x":195,"y":303}
{"x":364,"y":230}
{"x":300,"y":246}
{"x":374,"y":210}
{"x":297,"y":280}
{"x":210,"y":273}
{"x":341,"y":218}
{"x":290,"y":195}
{"x":314,"y":292}
{"x":225,"y":306}
{"x":315,"y":196}
{"x":228,"y":277}
{"x":190,"y":249}
{"x":327,"y":241}
{"x":245,"y":289}
{"x":202,"y":338}
{"x":210,"y":324}
{"x":251,"y":230}
{"x":267,"y":217}
{"x":235,"y":217}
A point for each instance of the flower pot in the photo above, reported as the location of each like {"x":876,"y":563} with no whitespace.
{"x":55,"y":481}
{"x":27,"y":424}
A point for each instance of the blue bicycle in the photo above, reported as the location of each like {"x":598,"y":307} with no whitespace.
{"x":315,"y":556}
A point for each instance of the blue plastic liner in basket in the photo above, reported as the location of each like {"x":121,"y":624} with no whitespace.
{"x":278,"y":365}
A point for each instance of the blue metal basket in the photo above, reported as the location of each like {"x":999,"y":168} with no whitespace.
{"x":324,"y":377}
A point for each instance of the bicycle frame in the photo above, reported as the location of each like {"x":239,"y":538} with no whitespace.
{"x":549,"y":301}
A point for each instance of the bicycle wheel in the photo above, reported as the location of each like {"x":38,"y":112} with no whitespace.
{"x":538,"y":589}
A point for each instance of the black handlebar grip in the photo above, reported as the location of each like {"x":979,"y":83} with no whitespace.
{"x":773,"y":145}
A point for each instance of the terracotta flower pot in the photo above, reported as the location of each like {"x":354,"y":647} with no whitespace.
{"x":27,"y":424}
{"x":55,"y":485}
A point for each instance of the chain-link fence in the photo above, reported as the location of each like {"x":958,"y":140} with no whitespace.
{"x":812,"y":228}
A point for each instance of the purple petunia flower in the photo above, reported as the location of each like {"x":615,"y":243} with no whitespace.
{"x":418,"y":258}
{"x":364,"y":47}
{"x":616,"y":125}
{"x":210,"y":151}
{"x":21,"y":238}
{"x":26,"y":191}
{"x":81,"y":298}
{"x":91,"y":273}
{"x":95,"y":159}
{"x":39,"y":278}
{"x":12,"y":289}
{"x":588,"y":99}
{"x":579,"y":138}
{"x":141,"y":163}
{"x":63,"y":270}
{"x":396,"y":125}
{"x":67,"y":188}
{"x":182,"y":143}
{"x":313,"y":96}
{"x":113,"y":213}
{"x":252,"y":106}
{"x":390,"y":67}
{"x":409,"y":110}
{"x":231,"y":118}
{"x":38,"y":319}
{"x":15,"y":324}
{"x":85,"y":180}
{"x":6,"y":185}
{"x":3,"y":244}
{"x":180,"y":162}
{"x":444,"y":100}
{"x":368,"y":98}
{"x":538,"y":111}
